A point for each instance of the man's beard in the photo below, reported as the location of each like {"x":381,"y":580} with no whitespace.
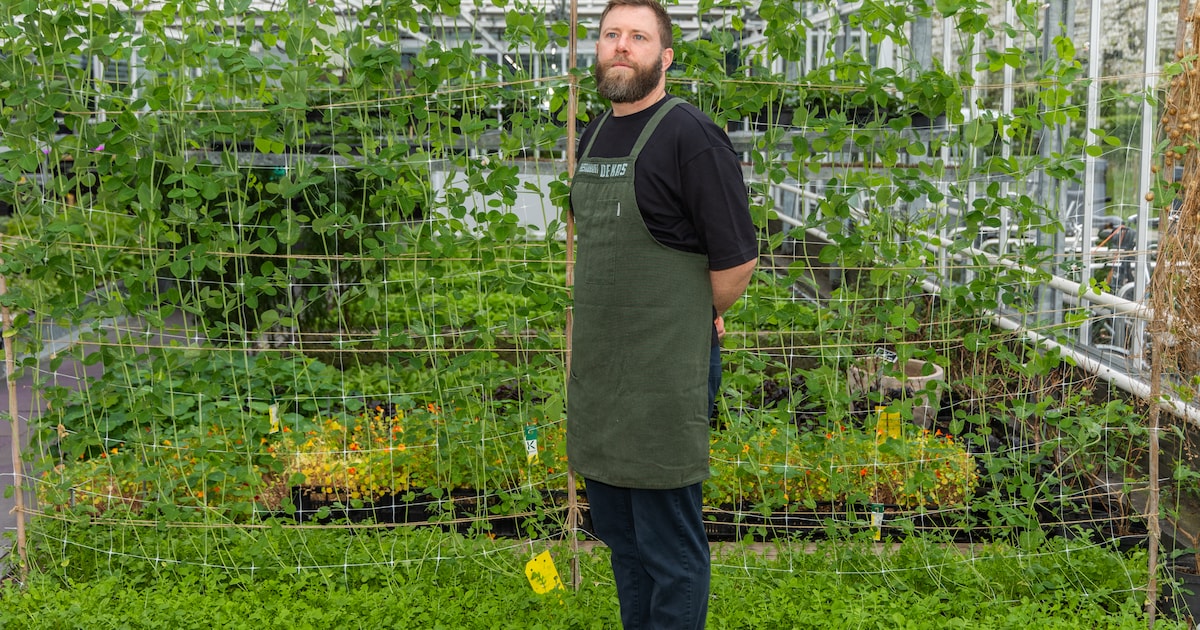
{"x":619,"y":89}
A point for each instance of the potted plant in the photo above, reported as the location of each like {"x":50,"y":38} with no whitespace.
{"x":882,"y":380}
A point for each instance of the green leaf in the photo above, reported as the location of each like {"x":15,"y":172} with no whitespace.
{"x":269,"y":145}
{"x":829,"y":254}
{"x":978,"y":132}
{"x":949,"y":7}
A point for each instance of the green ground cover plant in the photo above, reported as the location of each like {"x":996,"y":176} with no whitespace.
{"x":320,"y":578}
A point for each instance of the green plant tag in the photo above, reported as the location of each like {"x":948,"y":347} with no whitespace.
{"x":531,"y":445}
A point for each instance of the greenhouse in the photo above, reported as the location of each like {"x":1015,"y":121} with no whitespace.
{"x":287,"y":295}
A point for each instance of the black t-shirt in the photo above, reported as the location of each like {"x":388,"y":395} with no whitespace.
{"x":690,"y":188}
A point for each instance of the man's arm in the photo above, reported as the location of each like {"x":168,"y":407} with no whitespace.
{"x":729,"y":284}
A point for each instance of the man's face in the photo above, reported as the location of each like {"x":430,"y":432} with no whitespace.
{"x":630,"y":59}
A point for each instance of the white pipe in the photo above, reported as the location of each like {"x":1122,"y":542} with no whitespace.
{"x":1135,"y":386}
{"x":1095,"y":61}
{"x":1149,"y":125}
{"x":1007,"y":104}
{"x":938,"y":244}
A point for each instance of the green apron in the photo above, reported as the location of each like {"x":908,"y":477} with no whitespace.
{"x":638,"y":389}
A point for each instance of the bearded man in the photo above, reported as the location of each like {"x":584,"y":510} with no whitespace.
{"x":666,"y":244}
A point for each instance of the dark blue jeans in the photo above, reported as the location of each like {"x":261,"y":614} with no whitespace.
{"x":660,"y":554}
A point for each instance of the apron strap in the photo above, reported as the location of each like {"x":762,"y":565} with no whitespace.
{"x":647,"y":131}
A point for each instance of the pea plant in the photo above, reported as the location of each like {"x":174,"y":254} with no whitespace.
{"x":332,"y":207}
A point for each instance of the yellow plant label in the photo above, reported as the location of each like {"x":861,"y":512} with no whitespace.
{"x":273,"y":413}
{"x":542,"y":574}
{"x":888,"y":425}
{"x":877,"y":520}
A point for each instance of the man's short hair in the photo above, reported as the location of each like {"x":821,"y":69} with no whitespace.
{"x":660,"y":14}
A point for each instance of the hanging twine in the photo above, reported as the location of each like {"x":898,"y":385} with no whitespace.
{"x":1175,"y":285}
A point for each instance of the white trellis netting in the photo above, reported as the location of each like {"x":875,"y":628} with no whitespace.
{"x":335,"y":285}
